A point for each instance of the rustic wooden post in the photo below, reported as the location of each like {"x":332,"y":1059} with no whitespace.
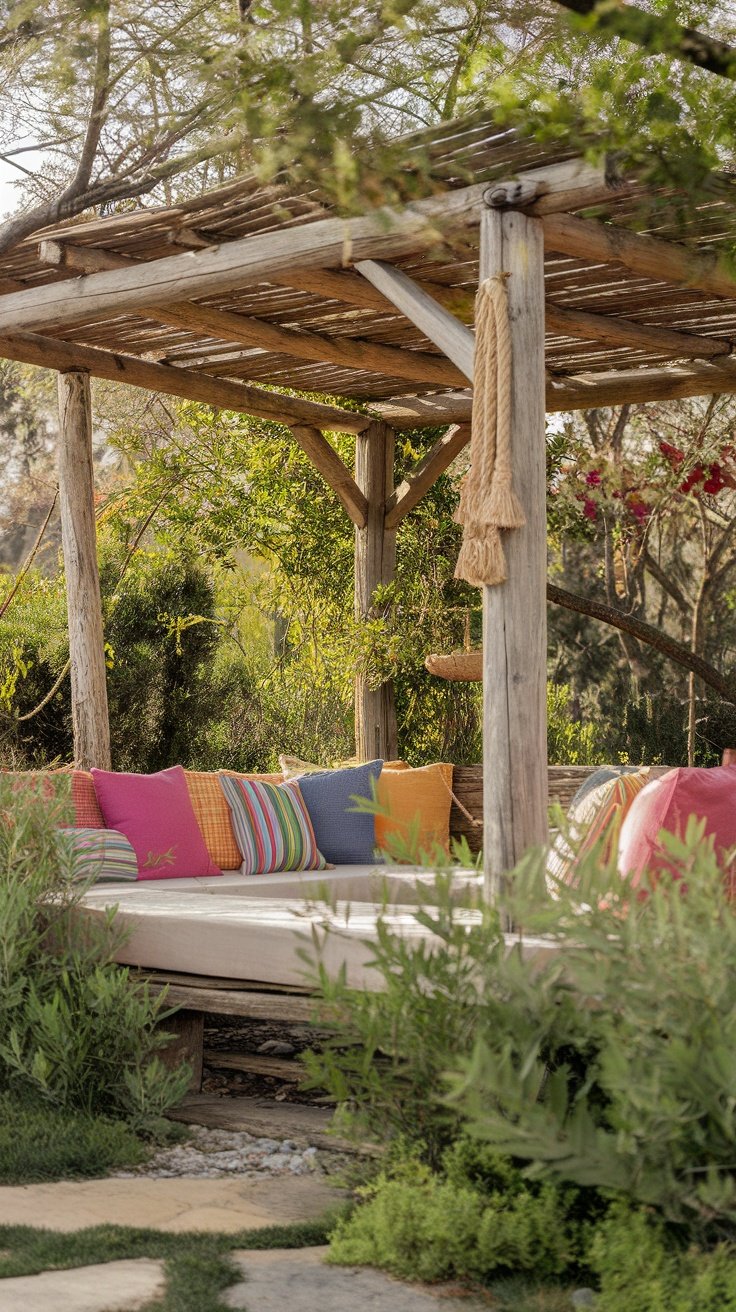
{"x":375,"y":563}
{"x":79,"y":544}
{"x":515,"y":613}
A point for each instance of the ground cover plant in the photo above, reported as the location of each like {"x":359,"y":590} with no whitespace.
{"x":198,"y":1268}
{"x":551,"y":1115}
{"x":77,"y":1035}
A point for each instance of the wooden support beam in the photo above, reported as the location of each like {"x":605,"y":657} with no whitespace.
{"x":648,"y":257}
{"x":425,"y":473}
{"x":624,"y":332}
{"x":452,"y":337}
{"x":422,"y":411}
{"x":570,"y":185}
{"x":352,"y":289}
{"x":632,"y":386}
{"x":326,"y":243}
{"x":375,"y":564}
{"x":249,"y":331}
{"x":79,"y":544}
{"x":515,"y":612}
{"x":574,"y":392}
{"x":52,"y":353}
{"x":335,"y":473}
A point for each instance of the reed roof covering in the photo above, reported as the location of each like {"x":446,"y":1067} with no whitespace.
{"x":347,"y":312}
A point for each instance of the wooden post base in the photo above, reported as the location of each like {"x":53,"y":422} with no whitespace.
{"x":186,"y":1044}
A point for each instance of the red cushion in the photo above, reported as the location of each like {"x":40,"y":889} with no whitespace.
{"x":155,"y":813}
{"x":666,"y":804}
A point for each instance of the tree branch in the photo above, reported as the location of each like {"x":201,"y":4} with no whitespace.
{"x":657,"y":35}
{"x":646,"y":633}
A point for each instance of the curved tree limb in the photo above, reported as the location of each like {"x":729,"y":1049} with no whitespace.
{"x":657,"y":35}
{"x":648,"y":634}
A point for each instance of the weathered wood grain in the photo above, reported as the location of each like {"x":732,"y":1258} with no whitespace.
{"x":515,"y":612}
{"x":375,"y":564}
{"x":79,"y":545}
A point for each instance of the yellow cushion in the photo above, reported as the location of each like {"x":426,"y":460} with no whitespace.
{"x":213,"y":813}
{"x":418,"y":798}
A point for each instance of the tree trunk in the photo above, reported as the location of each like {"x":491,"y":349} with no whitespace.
{"x":79,"y":543}
{"x":375,"y":564}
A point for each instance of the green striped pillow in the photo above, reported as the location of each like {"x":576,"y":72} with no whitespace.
{"x":100,"y":854}
{"x":272,"y":826}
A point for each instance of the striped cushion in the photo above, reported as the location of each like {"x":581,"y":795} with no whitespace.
{"x":101,"y":854}
{"x":272,"y":826}
{"x":213,"y":814}
{"x":595,"y":817}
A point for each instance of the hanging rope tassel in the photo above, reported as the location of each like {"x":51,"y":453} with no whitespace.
{"x":487,"y":501}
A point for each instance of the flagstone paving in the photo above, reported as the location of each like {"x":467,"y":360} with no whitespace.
{"x":110,"y":1287}
{"x":299,"y":1280}
{"x":225,"y":1205}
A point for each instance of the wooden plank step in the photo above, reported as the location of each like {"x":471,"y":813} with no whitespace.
{"x":265,"y":1118}
{"x":216,"y":982}
{"x":235,"y":1002}
{"x":280,"y":1068}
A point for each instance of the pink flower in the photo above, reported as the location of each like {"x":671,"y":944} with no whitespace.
{"x":590,"y":509}
{"x":593,"y":478}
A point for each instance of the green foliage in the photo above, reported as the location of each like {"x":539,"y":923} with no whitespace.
{"x":570,"y":742}
{"x":609,"y":1064}
{"x":617,"y":1069}
{"x":392,"y":1047}
{"x":643,"y":1269}
{"x":438,"y":1226}
{"x":41,"y":1142}
{"x":75,"y":1029}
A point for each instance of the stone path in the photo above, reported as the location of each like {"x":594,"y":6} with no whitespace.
{"x":297,"y":1279}
{"x":109,"y":1288}
{"x":242,"y":1202}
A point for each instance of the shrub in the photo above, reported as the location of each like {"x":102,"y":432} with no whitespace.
{"x":610,"y":1065}
{"x":75,"y":1029}
{"x":642,"y":1269}
{"x":435,"y":1226}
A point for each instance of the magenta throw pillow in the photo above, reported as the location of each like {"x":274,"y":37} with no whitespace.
{"x":666,"y":804}
{"x":155,"y":813}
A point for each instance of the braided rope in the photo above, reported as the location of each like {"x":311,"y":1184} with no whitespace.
{"x":487,"y":501}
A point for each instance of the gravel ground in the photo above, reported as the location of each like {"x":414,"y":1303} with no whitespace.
{"x":214,"y":1154}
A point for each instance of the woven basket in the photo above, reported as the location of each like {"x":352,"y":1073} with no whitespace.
{"x":460,"y":665}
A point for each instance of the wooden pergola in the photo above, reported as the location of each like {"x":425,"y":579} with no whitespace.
{"x":612,"y":299}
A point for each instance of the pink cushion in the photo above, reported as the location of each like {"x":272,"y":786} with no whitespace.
{"x":156,"y":815}
{"x":667,"y":803}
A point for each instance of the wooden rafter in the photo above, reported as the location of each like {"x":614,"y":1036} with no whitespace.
{"x":51,"y":353}
{"x":355,"y":354}
{"x":625,"y":332}
{"x":328,"y":243}
{"x":649,"y":257}
{"x":425,"y":473}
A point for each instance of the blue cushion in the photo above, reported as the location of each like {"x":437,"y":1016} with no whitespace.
{"x":344,"y":836}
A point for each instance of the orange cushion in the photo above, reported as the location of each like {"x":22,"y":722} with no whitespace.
{"x":415,"y":799}
{"x":213,"y":813}
{"x":87,"y":813}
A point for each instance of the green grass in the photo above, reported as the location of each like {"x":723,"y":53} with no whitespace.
{"x":39,"y":1143}
{"x":198,"y":1265}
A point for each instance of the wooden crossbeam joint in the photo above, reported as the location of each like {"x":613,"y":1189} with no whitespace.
{"x":335,"y":472}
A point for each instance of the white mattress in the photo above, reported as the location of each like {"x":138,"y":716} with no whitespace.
{"x":251,"y":928}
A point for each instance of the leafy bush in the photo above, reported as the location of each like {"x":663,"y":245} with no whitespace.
{"x":39,"y":1142}
{"x":641,"y":1269}
{"x":618,"y":1069}
{"x":460,"y":1222}
{"x":610,"y":1064}
{"x":75,"y":1029}
{"x":570,"y":742}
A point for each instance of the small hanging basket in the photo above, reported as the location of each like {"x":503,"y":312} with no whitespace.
{"x":459,"y":665}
